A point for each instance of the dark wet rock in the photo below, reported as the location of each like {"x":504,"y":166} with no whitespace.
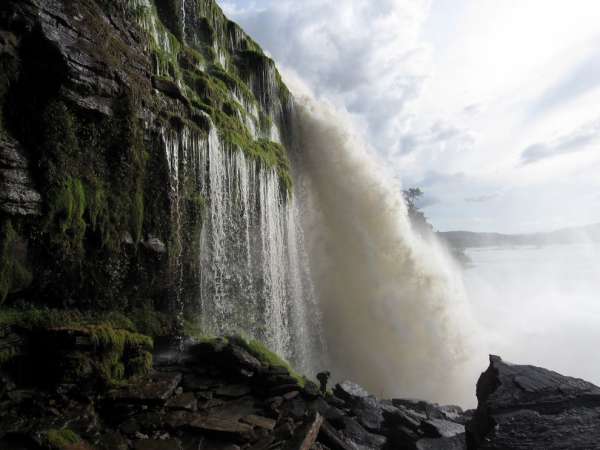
{"x":219,"y":424}
{"x":357,"y":435}
{"x":156,"y":390}
{"x":369,"y":413}
{"x":529,"y":407}
{"x":233,"y":391}
{"x":192,"y":382}
{"x":155,"y":245}
{"x":186,"y":400}
{"x":261,"y":422}
{"x":442,"y":428}
{"x":112,"y":440}
{"x":330,"y":437}
{"x":400,"y":416}
{"x":453,"y":443}
{"x":149,"y":421}
{"x":18,"y":195}
{"x":156,"y":444}
{"x":169,"y":88}
{"x":263,"y":443}
{"x":333,"y":415}
{"x":244,"y":359}
{"x":306,"y":435}
{"x":349,"y":391}
{"x":280,"y":390}
{"x":291,"y":395}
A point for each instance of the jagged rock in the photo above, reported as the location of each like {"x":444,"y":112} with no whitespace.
{"x":306,"y":435}
{"x":333,"y":440}
{"x":369,"y":413}
{"x":17,"y":193}
{"x":245,"y":359}
{"x":169,"y":87}
{"x":350,"y":391}
{"x":528,"y":407}
{"x":363,"y":439}
{"x":442,"y":428}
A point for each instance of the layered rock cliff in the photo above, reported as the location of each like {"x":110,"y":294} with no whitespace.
{"x":108,"y":108}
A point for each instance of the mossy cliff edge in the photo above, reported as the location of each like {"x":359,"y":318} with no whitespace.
{"x":90,"y":91}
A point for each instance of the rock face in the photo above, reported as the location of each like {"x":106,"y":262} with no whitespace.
{"x":217,"y":395}
{"x":104,"y":108}
{"x":17,"y":193}
{"x":527,"y":407}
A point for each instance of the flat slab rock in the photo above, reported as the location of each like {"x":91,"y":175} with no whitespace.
{"x":158,"y":389}
{"x":527,"y":407}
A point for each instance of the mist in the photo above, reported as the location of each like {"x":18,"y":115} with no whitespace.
{"x":395,"y":312}
{"x":539,"y":304}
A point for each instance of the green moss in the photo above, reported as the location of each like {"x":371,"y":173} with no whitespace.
{"x":62,"y":439}
{"x":113,"y":348}
{"x":152,"y":323}
{"x":233,"y":83}
{"x":266,"y":356}
{"x":46,"y":318}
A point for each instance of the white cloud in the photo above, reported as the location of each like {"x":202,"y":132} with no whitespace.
{"x":457,"y":95}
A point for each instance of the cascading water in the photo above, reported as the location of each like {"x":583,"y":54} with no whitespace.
{"x":254,"y":278}
{"x":395,"y":315}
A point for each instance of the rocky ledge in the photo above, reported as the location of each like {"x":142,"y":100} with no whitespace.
{"x":221,"y":394}
{"x":229,"y":393}
{"x":527,"y":407}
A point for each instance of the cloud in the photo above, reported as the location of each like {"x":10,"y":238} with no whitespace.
{"x":579,"y":80}
{"x":481,"y":198}
{"x":578,"y":140}
{"x":451,"y":94}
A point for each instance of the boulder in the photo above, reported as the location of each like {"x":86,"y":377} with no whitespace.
{"x":529,"y":407}
{"x":350,"y":391}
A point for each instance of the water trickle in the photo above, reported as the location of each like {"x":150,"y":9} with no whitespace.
{"x":183,"y":21}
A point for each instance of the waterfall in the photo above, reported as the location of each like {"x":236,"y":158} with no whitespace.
{"x":395,"y":315}
{"x":183,"y":21}
{"x":254,"y":276}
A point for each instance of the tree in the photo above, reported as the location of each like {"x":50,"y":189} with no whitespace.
{"x":417,"y":217}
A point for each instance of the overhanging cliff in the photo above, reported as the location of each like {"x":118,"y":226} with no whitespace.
{"x":107,"y":110}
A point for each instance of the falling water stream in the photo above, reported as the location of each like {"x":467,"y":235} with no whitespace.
{"x":254,"y":276}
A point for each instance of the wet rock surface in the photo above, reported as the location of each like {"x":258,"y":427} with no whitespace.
{"x":18,"y":195}
{"x":219,"y":396}
{"x":527,"y":407}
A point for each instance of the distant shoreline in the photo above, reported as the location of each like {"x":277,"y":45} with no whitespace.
{"x":461,"y":240}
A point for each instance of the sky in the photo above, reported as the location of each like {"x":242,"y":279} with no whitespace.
{"x":491,"y":107}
